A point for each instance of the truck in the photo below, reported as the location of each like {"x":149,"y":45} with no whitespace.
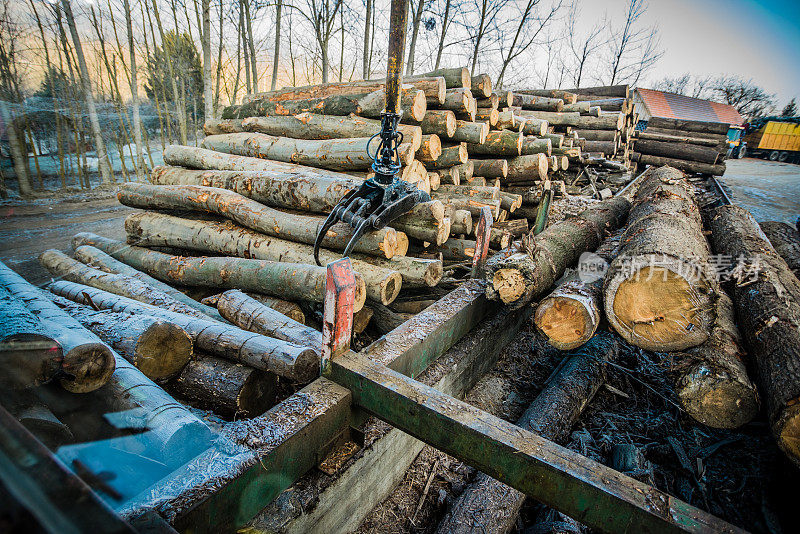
{"x":773,"y":138}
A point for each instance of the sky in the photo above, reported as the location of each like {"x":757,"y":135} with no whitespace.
{"x":754,"y":39}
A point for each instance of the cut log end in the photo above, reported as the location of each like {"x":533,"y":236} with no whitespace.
{"x":390,"y":288}
{"x":660,"y":309}
{"x":509,"y":284}
{"x":713,"y":398}
{"x":787,"y":430}
{"x":87,"y":368}
{"x":162,"y":351}
{"x":568,"y":323}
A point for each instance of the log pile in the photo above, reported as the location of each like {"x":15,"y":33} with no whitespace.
{"x":691,"y":146}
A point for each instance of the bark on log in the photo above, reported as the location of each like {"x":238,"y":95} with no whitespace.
{"x":490,"y":168}
{"x":458,"y":101}
{"x":432,"y":86}
{"x":314,"y":126}
{"x":87,"y":363}
{"x":249,"y":314}
{"x":225,"y":237}
{"x":289,"y":309}
{"x":223,"y":126}
{"x":677,"y":150}
{"x":612,"y":121}
{"x":487,"y":115}
{"x":435,"y":179}
{"x":489,"y":506}
{"x":598,"y":135}
{"x":535,"y":127}
{"x":556,"y":140}
{"x":461,"y":222}
{"x":96,"y":258}
{"x":341,"y":105}
{"x":660,"y":292}
{"x":470,"y":132}
{"x":471,"y":190}
{"x":254,"y":215}
{"x":622,"y":91}
{"x":416,"y":272}
{"x":28,"y":353}
{"x":280,"y":357}
{"x":720,"y":140}
{"x":455,"y":77}
{"x":441,"y":122}
{"x":385,"y":319}
{"x":689,"y":125}
{"x":348,"y":154}
{"x":228,"y":388}
{"x":426,"y":230}
{"x":584,"y":108}
{"x":684,"y":165}
{"x":536,"y":145}
{"x":481,"y":86}
{"x":158,"y":348}
{"x":506,"y":120}
{"x":785,"y":239}
{"x":465,"y":171}
{"x":712,"y":383}
{"x":524,"y":168}
{"x":472,"y":205}
{"x":498,"y":143}
{"x":566,"y":96}
{"x":491,"y":102}
{"x":516,"y":277}
{"x":608,"y":148}
{"x":430,"y":149}
{"x":537,"y":103}
{"x":767,"y":299}
{"x":531,"y":195}
{"x":678,"y":139}
{"x":450,"y":157}
{"x":62,"y":266}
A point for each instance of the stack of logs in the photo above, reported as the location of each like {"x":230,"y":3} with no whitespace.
{"x":692,"y":146}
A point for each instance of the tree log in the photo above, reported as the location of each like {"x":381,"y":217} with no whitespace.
{"x":481,"y":86}
{"x":426,"y":230}
{"x":433,"y":87}
{"x":461,"y":222}
{"x":416,"y":272}
{"x":455,"y":77}
{"x":158,"y":348}
{"x":491,"y":102}
{"x":622,"y":91}
{"x":767,"y":299}
{"x":225,"y":237}
{"x":598,"y":135}
{"x":487,"y":115}
{"x":450,"y":157}
{"x":660,"y":292}
{"x":536,"y":145}
{"x":566,"y":96}
{"x":249,"y":314}
{"x":280,"y":357}
{"x":537,"y":103}
{"x":608,"y":148}
{"x":223,"y":126}
{"x":785,"y":239}
{"x":61,"y":265}
{"x":348,"y":154}
{"x":471,"y":190}
{"x":96,"y":258}
{"x":441,"y":122}
{"x":385,"y":319}
{"x":611,"y":121}
{"x":87,"y":363}
{"x":489,"y":506}
{"x":719,"y":139}
{"x":490,"y":168}
{"x":252,"y":214}
{"x":498,"y":143}
{"x":289,"y":309}
{"x":677,"y":150}
{"x":535,"y":127}
{"x":472,"y":205}
{"x":465,"y":171}
{"x":458,"y":100}
{"x":333,"y":105}
{"x":470,"y":132}
{"x":314,"y":126}
{"x":228,"y":388}
{"x":689,"y":125}
{"x":556,"y":140}
{"x":684,"y":165}
{"x":524,"y":168}
{"x":506,"y":120}
{"x":703,"y":141}
{"x":516,"y":277}
{"x":430,"y":149}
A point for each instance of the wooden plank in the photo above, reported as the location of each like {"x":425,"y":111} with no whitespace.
{"x":592,"y":493}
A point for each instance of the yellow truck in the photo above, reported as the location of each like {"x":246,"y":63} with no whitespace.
{"x":776,"y":139}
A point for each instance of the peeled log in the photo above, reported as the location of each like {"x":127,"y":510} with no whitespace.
{"x":226,"y":387}
{"x":516,"y":277}
{"x":785,"y":239}
{"x":158,"y":348}
{"x":348,"y":154}
{"x":314,"y":126}
{"x":712,"y":383}
{"x":489,"y":168}
{"x":499,"y":143}
{"x":62,"y":266}
{"x":252,"y":214}
{"x":87,"y":362}
{"x":249,"y":314}
{"x":280,"y":357}
{"x":768,"y":309}
{"x":96,"y":258}
{"x":660,"y":292}
{"x":684,"y":165}
{"x":225,"y":237}
{"x":489,"y":506}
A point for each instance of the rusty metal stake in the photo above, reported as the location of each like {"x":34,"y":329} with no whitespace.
{"x":482,"y":235}
{"x":337,"y":316}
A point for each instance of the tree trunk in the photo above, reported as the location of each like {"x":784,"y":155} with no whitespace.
{"x":516,"y":277}
{"x":282,"y":358}
{"x":105,"y":167}
{"x":365,"y":71}
{"x":660,"y":291}
{"x":470,"y":132}
{"x":530,"y":167}
{"x":716,"y":128}
{"x":490,"y":506}
{"x":251,"y":44}
{"x":208,"y":103}
{"x":686,"y":166}
{"x":66,"y":268}
{"x":223,"y":126}
{"x":535,"y":145}
{"x":490,"y":168}
{"x":276,"y":57}
{"x":331,"y":105}
{"x":415,"y":21}
{"x":249,"y":314}
{"x":227,"y":238}
{"x":683,"y":151}
{"x":536,"y":103}
{"x":785,"y":239}
{"x":96,"y":258}
{"x":137,"y":123}
{"x":18,"y":157}
{"x":158,"y":348}
{"x":433,"y":87}
{"x":481,"y":86}
{"x":499,"y":143}
{"x":767,"y":299}
{"x":441,"y":122}
{"x":455,"y":78}
{"x":228,"y":388}
{"x":451,"y":156}
{"x":87,"y":362}
{"x":254,"y":215}
{"x":334,"y":154}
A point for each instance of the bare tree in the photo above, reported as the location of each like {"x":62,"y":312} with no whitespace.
{"x":686,"y":84}
{"x":633,"y":49}
{"x":251,"y":44}
{"x":749,"y":99}
{"x":446,"y":20}
{"x":582,"y":46}
{"x":790,"y":110}
{"x":322,"y":16}
{"x":487,"y":12}
{"x":416,"y":18}
{"x":365,"y":71}
{"x":208,"y":104}
{"x":524,"y":36}
{"x":100,"y":146}
{"x":277,"y":52}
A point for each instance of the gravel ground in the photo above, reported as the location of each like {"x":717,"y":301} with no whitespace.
{"x":770,"y":190}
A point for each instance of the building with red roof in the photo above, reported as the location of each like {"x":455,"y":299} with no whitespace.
{"x":652,"y":103}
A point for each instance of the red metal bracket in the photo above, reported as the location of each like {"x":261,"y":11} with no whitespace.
{"x":482,"y":235}
{"x":337,"y":316}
